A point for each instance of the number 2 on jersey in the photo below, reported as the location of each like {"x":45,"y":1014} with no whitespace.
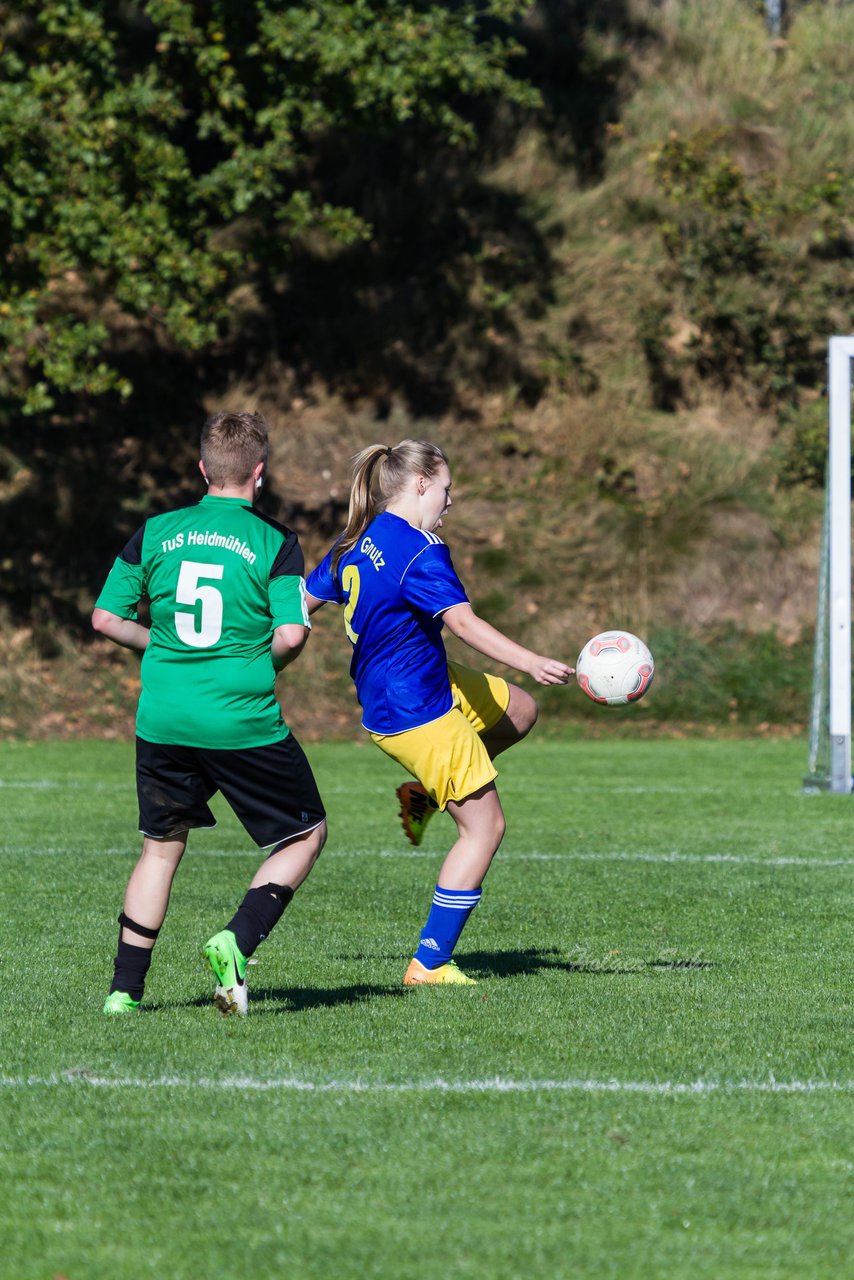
{"x":350,"y":583}
{"x":199,"y":631}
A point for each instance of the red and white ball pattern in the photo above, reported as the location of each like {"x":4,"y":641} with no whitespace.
{"x":614,"y":668}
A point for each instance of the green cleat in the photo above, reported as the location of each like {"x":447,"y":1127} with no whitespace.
{"x":228,"y":964}
{"x":120,"y":1002}
{"x":447,"y":975}
{"x":416,"y":810}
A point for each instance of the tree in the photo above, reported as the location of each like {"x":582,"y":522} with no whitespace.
{"x":153,"y":154}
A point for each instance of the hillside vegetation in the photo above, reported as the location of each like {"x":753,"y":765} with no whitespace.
{"x":613,"y":314}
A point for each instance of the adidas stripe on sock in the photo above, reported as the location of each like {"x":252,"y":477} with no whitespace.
{"x":449,"y":913}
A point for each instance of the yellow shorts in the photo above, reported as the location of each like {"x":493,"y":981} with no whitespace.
{"x":446,"y":755}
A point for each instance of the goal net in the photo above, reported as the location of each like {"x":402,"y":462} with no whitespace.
{"x":829,"y":767}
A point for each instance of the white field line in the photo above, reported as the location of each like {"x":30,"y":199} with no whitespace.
{"x":339,"y":789}
{"x":494,"y":1085}
{"x":129,"y":786}
{"x":628,"y":789}
{"x":737,"y":859}
{"x":52,"y":784}
{"x":608,"y":855}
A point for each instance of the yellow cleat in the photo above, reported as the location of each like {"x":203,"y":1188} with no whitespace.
{"x":446,"y":975}
{"x":416,"y":810}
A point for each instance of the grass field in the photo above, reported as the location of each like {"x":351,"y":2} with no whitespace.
{"x":653,"y":1077}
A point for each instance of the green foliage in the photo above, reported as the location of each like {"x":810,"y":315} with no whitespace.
{"x":153,"y":154}
{"x":724,"y":675}
{"x":755,"y":262}
{"x":568,"y":369}
{"x":804,"y":441}
{"x":494,"y":560}
{"x":653,"y":329}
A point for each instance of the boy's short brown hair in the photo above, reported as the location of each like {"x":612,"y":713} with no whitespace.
{"x":232,"y":445}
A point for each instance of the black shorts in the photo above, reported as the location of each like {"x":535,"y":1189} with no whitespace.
{"x":271,"y":789}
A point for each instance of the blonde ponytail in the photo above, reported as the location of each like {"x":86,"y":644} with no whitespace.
{"x":385,"y":468}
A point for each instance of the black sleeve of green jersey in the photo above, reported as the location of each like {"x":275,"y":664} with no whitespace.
{"x":290,"y":562}
{"x":131,"y":553}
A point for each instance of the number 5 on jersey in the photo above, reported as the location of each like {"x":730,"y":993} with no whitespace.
{"x":201,"y":628}
{"x":350,"y":583}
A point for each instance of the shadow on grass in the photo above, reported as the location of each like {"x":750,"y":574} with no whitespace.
{"x":298,"y":998}
{"x":482,"y":964}
{"x":508,"y":964}
{"x":295,"y":999}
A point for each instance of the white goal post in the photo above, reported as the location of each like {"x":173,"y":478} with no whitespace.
{"x":830,"y":721}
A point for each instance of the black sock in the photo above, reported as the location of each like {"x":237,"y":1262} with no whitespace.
{"x":258,"y":914}
{"x":131,"y":966}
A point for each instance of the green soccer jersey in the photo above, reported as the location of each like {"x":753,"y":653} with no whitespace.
{"x":219,"y":578}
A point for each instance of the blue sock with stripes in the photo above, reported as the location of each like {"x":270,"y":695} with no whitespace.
{"x":449,"y":912}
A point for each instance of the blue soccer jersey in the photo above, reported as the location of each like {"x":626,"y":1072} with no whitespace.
{"x":395,"y":585}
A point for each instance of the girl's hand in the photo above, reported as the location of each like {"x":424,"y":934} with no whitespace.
{"x":550,"y":670}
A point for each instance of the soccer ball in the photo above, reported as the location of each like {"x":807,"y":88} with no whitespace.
{"x":615,"y":667}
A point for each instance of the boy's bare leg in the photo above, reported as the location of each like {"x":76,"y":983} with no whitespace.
{"x":146,"y":900}
{"x":272,"y":887}
{"x":292,"y":861}
{"x":150,"y":884}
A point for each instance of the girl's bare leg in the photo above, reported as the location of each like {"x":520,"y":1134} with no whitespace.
{"x":518,"y":721}
{"x":480,"y":830}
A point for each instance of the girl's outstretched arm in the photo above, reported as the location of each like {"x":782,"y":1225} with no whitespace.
{"x":464,"y":623}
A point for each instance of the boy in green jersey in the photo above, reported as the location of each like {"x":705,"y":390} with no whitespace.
{"x":226,"y":597}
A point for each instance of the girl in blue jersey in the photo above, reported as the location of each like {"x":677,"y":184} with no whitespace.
{"x":444,"y":723}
